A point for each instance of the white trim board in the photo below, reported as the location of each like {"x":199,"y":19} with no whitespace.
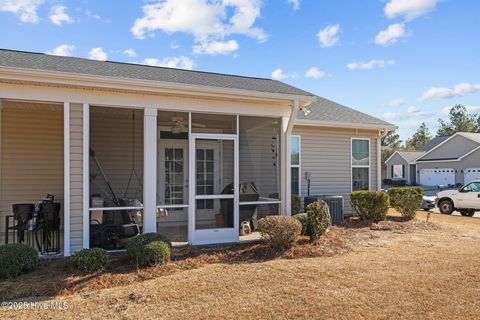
{"x":66,"y":179}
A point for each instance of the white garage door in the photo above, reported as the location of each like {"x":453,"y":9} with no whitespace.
{"x":471,"y":174}
{"x":436,"y":177}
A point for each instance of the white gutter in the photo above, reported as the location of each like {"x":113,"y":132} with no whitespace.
{"x":339,"y":124}
{"x":105,"y":82}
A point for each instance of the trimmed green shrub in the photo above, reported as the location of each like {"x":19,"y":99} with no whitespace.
{"x":296,"y":204}
{"x":370,"y":205}
{"x":302,"y":218}
{"x":89,"y":260}
{"x":279,"y":231}
{"x":407,"y":201}
{"x":392,"y":193}
{"x":149,"y":249}
{"x":318,"y":219}
{"x":17,"y":258}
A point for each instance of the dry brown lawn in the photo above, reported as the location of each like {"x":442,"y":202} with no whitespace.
{"x":396,"y":270}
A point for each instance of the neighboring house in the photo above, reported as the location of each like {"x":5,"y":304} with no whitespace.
{"x":127,"y":147}
{"x":401,"y":166}
{"x":455,"y":160}
{"x":443,"y":161}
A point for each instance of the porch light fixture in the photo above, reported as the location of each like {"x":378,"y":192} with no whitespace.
{"x":306,"y":112}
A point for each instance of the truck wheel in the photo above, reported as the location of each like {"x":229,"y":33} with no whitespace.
{"x":467,"y":213}
{"x":446,"y":207}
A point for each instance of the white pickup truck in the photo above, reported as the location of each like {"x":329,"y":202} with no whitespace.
{"x":466,"y":199}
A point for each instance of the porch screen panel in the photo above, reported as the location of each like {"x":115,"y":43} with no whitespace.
{"x":259,"y":162}
{"x":116,"y":176}
{"x":172,"y":175}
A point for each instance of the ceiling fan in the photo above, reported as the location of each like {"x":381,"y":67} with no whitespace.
{"x":179,"y":124}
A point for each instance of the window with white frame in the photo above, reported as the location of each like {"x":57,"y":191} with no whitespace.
{"x":295,"y":164}
{"x":398,"y":171}
{"x":360,"y":164}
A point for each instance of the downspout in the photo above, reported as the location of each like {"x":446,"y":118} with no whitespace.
{"x":288,"y":125}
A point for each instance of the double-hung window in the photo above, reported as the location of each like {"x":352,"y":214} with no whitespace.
{"x":360,"y":164}
{"x":295,"y":164}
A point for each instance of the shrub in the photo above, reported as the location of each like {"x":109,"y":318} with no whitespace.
{"x":279,"y":231}
{"x":89,"y":260}
{"x":407,"y":201}
{"x":302,"y":218}
{"x":392,"y":193}
{"x":149,"y":249}
{"x":296,"y":204}
{"x":370,"y":205}
{"x":318,"y":219}
{"x":17,"y":258}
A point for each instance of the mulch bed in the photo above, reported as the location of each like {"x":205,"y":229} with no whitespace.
{"x":55,"y":277}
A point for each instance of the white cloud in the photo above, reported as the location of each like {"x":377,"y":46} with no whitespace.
{"x":369,"y":65}
{"x":58,"y":15}
{"x":391,"y":34}
{"x":130,"y":52}
{"x":295,"y":4}
{"x":204,"y":19}
{"x":410,"y":112}
{"x":25,"y":10}
{"x":315,"y":73}
{"x":329,"y":35}
{"x":216,"y":47}
{"x":95,"y":16}
{"x":459,"y":90}
{"x":174,"y":45}
{"x":410,"y":9}
{"x":97,"y":54}
{"x":396,"y":102}
{"x":65,"y":50}
{"x":278,"y":74}
{"x":181,"y":62}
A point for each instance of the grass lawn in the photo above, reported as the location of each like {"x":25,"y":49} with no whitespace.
{"x":393,"y":270}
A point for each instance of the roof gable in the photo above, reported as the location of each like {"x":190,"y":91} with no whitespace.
{"x":455,"y":147}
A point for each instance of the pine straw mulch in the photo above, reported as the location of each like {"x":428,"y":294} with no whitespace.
{"x":55,"y":277}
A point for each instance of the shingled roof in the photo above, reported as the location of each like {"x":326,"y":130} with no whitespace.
{"x":45,"y":62}
{"x":329,"y":111}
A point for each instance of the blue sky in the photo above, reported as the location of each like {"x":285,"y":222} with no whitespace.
{"x":405,"y":61}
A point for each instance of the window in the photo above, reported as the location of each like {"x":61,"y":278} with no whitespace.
{"x":398,"y":171}
{"x":295,"y":164}
{"x":472,"y":187}
{"x":360,"y":164}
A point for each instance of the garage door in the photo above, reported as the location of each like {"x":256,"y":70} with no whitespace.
{"x":471,"y":174}
{"x":436,"y":177}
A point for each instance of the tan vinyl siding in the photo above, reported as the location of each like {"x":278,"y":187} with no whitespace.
{"x":76,"y":177}
{"x":31,"y":155}
{"x":326,"y":153}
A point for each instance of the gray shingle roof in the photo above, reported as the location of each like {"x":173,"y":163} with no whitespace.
{"x":327,"y":110}
{"x":40,"y":61}
{"x":433,"y":143}
{"x":411,"y":156}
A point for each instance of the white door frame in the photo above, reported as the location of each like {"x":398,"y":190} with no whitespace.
{"x":209,"y":236}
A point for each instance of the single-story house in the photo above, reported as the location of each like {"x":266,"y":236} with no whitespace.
{"x":93,"y":152}
{"x":401,"y":166}
{"x":444,"y":161}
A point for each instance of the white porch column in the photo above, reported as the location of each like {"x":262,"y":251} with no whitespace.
{"x":150,"y":170}
{"x":287,"y":127}
{"x":66,"y":179}
{"x":86,"y":176}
